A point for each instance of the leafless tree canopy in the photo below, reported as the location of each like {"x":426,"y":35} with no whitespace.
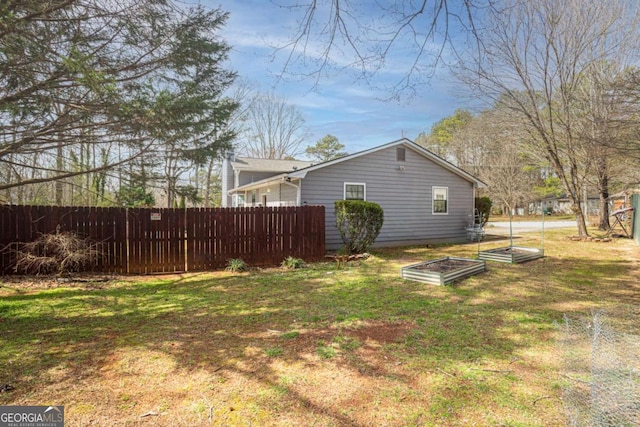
{"x":273,"y":128}
{"x":368,"y":37}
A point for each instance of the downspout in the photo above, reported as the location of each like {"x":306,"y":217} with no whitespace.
{"x":475,"y":194}
{"x":298,"y":190}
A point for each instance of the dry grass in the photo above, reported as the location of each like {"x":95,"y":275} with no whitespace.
{"x":314,"y":346}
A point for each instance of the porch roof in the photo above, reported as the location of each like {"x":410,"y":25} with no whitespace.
{"x":277,"y":179}
{"x":268,"y":165}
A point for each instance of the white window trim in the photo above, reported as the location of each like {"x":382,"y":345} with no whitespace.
{"x":344,"y":189}
{"x":433,"y":194}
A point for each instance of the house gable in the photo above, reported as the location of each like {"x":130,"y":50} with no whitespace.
{"x":400,"y":143}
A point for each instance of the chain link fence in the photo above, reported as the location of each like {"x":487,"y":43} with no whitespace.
{"x":601,"y":373}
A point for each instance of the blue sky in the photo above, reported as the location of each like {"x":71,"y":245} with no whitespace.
{"x":339,"y":104}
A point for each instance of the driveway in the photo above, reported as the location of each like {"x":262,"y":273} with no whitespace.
{"x":502,"y":227}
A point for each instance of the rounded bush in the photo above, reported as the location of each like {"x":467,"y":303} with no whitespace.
{"x":358,"y":223}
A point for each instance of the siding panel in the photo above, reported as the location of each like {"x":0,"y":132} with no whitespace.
{"x":247,"y":177}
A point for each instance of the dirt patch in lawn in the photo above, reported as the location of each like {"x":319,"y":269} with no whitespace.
{"x":372,"y":334}
{"x":381,"y":333}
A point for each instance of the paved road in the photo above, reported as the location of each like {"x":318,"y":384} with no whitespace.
{"x":502,"y":227}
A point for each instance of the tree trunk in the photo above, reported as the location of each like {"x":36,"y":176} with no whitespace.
{"x":207,"y":184}
{"x":603,"y":190}
{"x":171,"y":192}
{"x":576,"y":208}
{"x":571,"y":182}
{"x":59,"y":184}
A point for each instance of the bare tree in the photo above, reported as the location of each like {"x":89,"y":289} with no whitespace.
{"x":625,"y":91}
{"x":274,"y":129}
{"x":600,"y":125}
{"x":507,"y":169}
{"x":533,"y":58}
{"x":490,"y":146}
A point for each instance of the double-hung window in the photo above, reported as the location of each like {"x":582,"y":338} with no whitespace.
{"x":440,"y":200}
{"x":355,"y":191}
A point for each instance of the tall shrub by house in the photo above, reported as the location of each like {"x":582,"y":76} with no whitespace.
{"x":483,"y":204}
{"x":358,"y":223}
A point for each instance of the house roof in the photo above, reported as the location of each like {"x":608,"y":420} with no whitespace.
{"x":302,"y":172}
{"x":267,"y":165}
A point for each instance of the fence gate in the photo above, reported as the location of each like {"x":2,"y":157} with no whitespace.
{"x":156,"y":240}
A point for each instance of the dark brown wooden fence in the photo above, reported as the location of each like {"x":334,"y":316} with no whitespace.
{"x":104,"y":226}
{"x":171,"y":240}
{"x":259,"y":236}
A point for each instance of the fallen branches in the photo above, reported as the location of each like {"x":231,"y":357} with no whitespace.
{"x":60,"y":252}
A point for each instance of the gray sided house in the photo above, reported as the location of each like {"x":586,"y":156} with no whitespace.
{"x":425,"y":198}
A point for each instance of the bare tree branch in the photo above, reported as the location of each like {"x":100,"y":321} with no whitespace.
{"x":360,"y":37}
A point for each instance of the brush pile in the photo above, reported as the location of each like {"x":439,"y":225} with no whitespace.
{"x":56,"y":253}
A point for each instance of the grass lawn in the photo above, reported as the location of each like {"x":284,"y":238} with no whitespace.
{"x":355,"y":346}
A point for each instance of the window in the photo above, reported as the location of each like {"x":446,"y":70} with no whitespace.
{"x":355,"y":191}
{"x":440,"y":198}
{"x":400,"y":154}
{"x":237,"y":200}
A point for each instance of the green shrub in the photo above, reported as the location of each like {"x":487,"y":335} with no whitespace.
{"x":483,"y":204}
{"x":292,"y":263}
{"x":358,"y":223}
{"x":236,"y":265}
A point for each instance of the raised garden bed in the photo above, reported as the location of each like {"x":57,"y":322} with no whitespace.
{"x":511,"y":254}
{"x":443,"y":270}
